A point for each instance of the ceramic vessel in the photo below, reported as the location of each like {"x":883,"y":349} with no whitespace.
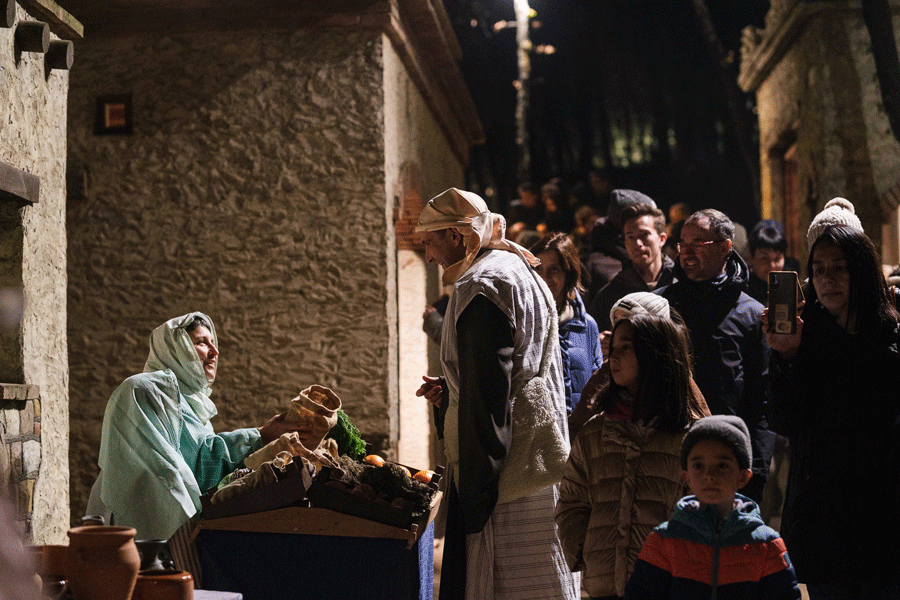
{"x":163,"y":584}
{"x":50,"y":560}
{"x":50,"y":564}
{"x":149,"y":551}
{"x":102,"y":562}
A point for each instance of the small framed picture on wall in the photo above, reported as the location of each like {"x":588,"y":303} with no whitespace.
{"x":114,"y":115}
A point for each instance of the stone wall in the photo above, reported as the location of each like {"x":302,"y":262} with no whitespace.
{"x":822,"y":93}
{"x":33,"y":140}
{"x":418,"y":166}
{"x":253,"y":189}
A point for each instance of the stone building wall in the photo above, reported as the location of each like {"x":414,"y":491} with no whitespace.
{"x":418,"y":166}
{"x":816,"y":87}
{"x":33,"y":140}
{"x":253,"y":189}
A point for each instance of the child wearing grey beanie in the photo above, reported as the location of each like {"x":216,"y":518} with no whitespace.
{"x":716,"y":544}
{"x":728,"y":429}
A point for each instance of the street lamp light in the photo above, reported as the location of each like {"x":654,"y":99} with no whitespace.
{"x":523,"y":46}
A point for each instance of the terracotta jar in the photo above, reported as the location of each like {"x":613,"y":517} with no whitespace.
{"x":50,"y":564}
{"x":164,"y":584}
{"x":102,"y":562}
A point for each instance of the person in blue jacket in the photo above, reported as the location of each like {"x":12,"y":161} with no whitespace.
{"x":716,"y":545}
{"x":579,"y":336}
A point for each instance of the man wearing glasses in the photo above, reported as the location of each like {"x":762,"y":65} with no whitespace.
{"x":730,"y":350}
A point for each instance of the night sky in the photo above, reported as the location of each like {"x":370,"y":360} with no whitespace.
{"x":632,"y":88}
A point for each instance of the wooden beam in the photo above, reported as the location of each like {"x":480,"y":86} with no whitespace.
{"x":105,"y":19}
{"x":60,"y":55}
{"x":32,"y":36}
{"x":7,"y":13}
{"x":431,"y":63}
{"x":18,"y":185}
{"x":19,"y":391}
{"x":62,"y":23}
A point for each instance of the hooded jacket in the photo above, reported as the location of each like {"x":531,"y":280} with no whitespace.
{"x":694,"y":556}
{"x":579,"y":345}
{"x":730,"y":352}
{"x":158,"y":450}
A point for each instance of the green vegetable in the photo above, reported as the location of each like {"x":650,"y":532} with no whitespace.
{"x":347,"y":437}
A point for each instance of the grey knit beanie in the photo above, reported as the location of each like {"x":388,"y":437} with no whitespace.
{"x":728,"y":429}
{"x":837,"y":211}
{"x":619,"y":199}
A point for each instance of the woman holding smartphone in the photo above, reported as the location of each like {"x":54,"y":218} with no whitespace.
{"x":836,"y":396}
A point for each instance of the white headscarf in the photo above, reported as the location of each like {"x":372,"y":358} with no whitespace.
{"x":468,"y":213}
{"x":171,"y":348}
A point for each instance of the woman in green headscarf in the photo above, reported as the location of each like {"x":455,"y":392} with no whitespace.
{"x":158,"y":452}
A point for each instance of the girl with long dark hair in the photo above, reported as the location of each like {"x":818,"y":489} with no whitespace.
{"x":623,"y":476}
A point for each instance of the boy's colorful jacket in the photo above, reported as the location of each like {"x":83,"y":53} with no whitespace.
{"x":693,"y":556}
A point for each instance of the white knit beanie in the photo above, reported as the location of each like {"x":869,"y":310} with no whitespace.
{"x":640,"y":302}
{"x":838,"y":211}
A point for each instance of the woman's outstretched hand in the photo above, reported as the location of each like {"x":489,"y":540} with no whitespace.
{"x":276,"y":426}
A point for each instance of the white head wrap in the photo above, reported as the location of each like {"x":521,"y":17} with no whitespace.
{"x":468,"y":213}
{"x":171,"y":349}
{"x":640,"y":302}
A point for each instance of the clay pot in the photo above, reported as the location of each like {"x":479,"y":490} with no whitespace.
{"x":102,"y":562}
{"x":163,"y":584}
{"x":316,"y":407}
{"x":149,"y":551}
{"x":50,"y":564}
{"x":50,"y":560}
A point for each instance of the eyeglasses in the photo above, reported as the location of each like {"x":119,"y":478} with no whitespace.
{"x":695,"y":246}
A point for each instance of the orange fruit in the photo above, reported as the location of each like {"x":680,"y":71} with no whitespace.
{"x":405,"y":470}
{"x":424,"y":475}
{"x":374,"y":459}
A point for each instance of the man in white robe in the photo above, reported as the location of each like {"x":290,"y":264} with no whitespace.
{"x":499,"y":335}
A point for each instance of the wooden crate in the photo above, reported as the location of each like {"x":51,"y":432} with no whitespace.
{"x":321,"y":495}
{"x":307,"y":520}
{"x":290,"y":489}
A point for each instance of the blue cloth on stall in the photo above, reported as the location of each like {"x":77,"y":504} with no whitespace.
{"x":262,"y":566}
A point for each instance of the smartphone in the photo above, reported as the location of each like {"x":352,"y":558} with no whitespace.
{"x":783,"y":286}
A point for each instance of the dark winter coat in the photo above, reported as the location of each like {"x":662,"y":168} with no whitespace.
{"x":730,"y":353}
{"x":580,"y":347}
{"x":626,"y":282}
{"x":605,"y":258}
{"x":838,"y":403}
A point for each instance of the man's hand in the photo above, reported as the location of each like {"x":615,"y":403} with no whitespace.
{"x":276,"y":426}
{"x":432,"y":389}
{"x":785,"y":344}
